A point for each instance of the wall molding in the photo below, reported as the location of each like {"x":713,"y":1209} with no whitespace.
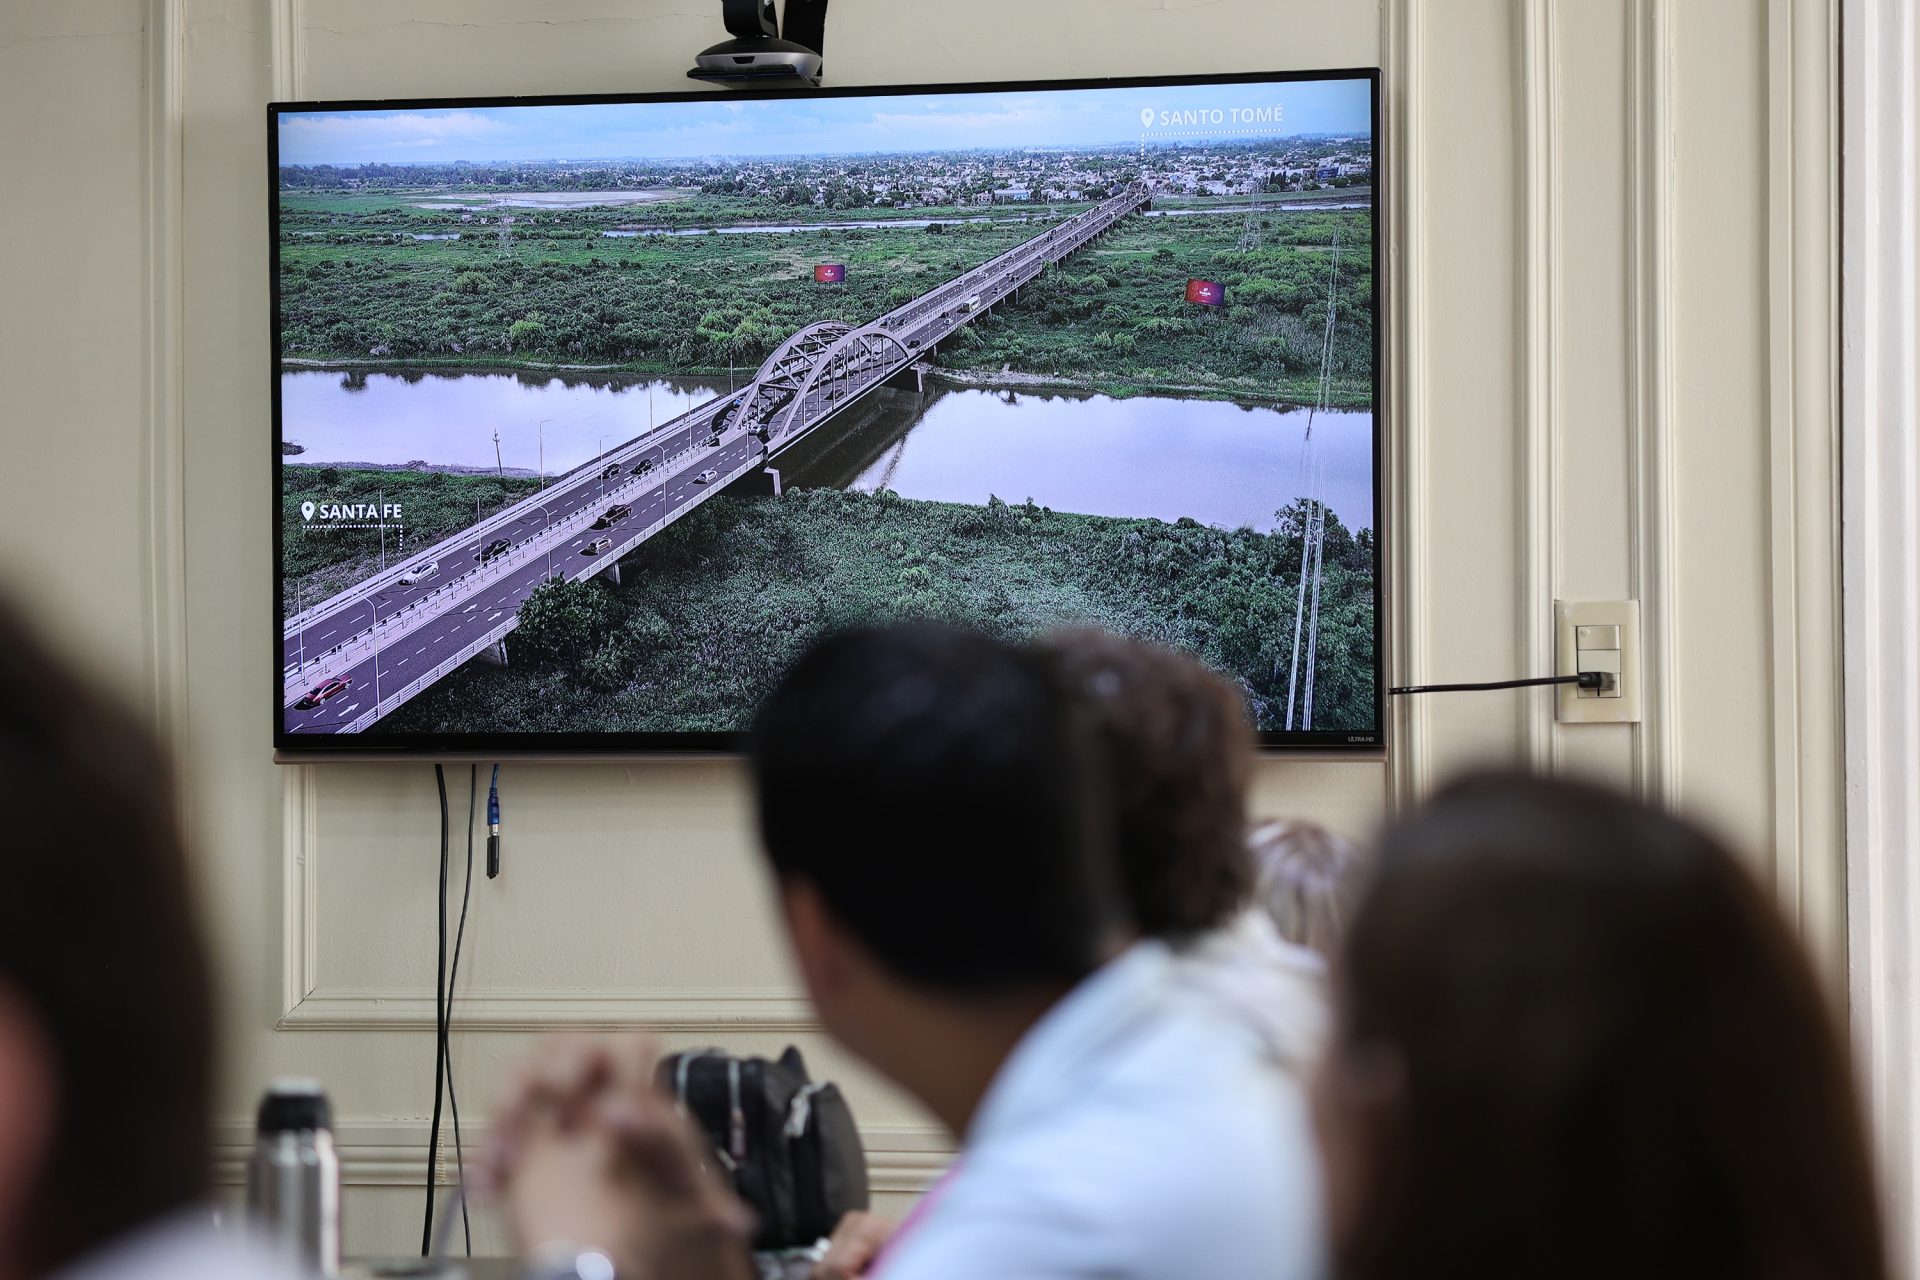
{"x":1539,"y":372}
{"x":1654,"y":539}
{"x":540,"y":1008}
{"x":1803,"y":420}
{"x":163,"y":463}
{"x":287,"y":34}
{"x":1410,"y":775}
{"x":309,"y":1005}
{"x":901,"y":1159}
{"x":1880,"y":461}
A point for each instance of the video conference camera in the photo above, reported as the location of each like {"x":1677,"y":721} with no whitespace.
{"x":757,"y":56}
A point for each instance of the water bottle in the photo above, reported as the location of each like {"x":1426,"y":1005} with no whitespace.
{"x":293,"y":1178}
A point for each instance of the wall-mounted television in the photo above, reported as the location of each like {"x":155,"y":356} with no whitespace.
{"x":590,"y":413}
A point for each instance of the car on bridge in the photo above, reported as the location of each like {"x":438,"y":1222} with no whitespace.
{"x":420,"y":573}
{"x":493,"y":550}
{"x":713,"y":441}
{"x":707,"y":477}
{"x":321,"y":692}
{"x":611,"y":470}
{"x":613,"y":515}
{"x":643,"y":466}
{"x":598,"y":547}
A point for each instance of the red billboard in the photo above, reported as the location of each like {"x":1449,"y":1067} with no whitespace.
{"x":1208,"y":293}
{"x":830,"y":273}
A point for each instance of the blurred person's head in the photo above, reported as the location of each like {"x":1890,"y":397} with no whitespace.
{"x":106,"y":1035}
{"x":1308,"y":879}
{"x":1178,"y":751}
{"x":938,"y":838}
{"x":1576,"y":1039}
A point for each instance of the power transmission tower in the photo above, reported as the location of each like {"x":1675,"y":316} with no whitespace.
{"x":1250,"y":230}
{"x":1313,"y":533}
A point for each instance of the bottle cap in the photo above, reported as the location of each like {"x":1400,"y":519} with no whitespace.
{"x":292,"y":1105}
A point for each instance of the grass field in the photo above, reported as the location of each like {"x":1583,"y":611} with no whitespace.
{"x":716,"y":607}
{"x":355,"y":286}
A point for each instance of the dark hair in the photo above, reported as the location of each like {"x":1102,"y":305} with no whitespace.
{"x":932,"y":785}
{"x":1617,"y":1062}
{"x":1178,"y":751}
{"x":98,"y":935}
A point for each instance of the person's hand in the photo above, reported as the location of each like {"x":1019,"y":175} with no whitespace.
{"x":588,"y":1154}
{"x":856,"y":1242}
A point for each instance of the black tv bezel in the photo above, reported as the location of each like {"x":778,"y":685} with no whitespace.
{"x":305,"y":748}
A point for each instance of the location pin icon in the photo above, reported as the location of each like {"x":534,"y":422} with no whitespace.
{"x":306,"y":511}
{"x":1146,"y":117}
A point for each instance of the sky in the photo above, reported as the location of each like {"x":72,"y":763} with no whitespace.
{"x":723,"y":127}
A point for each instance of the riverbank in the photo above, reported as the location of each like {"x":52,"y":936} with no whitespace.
{"x":715,"y":608}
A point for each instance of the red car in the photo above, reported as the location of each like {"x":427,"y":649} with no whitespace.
{"x":320,"y":693}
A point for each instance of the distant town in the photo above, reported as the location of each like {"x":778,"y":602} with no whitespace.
{"x":932,"y":180}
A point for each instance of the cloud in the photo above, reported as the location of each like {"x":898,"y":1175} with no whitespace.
{"x":342,"y":132}
{"x":701,"y":127}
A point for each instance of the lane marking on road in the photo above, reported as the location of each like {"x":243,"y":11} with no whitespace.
{"x":495,"y":616}
{"x":417,"y":652}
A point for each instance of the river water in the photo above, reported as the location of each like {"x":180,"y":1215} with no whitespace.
{"x":1220,"y":463}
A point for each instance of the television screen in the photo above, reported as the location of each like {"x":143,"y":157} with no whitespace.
{"x":591,"y":413}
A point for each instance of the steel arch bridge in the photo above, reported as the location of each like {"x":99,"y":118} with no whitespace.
{"x":816,"y":368}
{"x":782,"y":374}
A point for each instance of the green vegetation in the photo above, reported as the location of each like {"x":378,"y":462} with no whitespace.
{"x":717,"y":606}
{"x":552,"y":288}
{"x":1116,"y":315}
{"x":433,"y":505}
{"x":665,"y":303}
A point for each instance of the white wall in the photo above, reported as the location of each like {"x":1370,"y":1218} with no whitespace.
{"x":1608,"y":289}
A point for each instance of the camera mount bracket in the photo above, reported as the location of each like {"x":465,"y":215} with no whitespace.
{"x":757,"y":56}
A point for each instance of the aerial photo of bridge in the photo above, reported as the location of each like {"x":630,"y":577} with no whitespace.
{"x":434,"y":622}
{"x":1141,"y":335}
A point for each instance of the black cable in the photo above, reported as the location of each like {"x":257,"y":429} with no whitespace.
{"x":1586,"y":680}
{"x":446,"y":1019}
{"x":439,"y":1003}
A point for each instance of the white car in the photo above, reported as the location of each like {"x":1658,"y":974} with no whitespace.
{"x":420,"y":573}
{"x":707,"y":477}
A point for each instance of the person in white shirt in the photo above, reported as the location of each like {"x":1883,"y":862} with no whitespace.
{"x":939,"y":827}
{"x":106,"y":999}
{"x":1179,"y":750}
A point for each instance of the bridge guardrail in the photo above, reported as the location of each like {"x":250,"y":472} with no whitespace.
{"x":506,"y":515}
{"x":387,"y":704}
{"x":356,"y":647}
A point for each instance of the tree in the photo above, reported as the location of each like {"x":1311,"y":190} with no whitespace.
{"x":561,"y":623}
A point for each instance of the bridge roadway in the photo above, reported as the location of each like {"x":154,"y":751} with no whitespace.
{"x":391,"y":639}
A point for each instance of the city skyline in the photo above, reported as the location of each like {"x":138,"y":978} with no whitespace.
{"x":890,"y":124}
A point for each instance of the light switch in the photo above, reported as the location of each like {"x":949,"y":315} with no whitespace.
{"x":1596,"y":637}
{"x":1601,"y":636}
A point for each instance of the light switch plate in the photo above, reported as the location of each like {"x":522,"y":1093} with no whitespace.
{"x":1576,"y":622}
